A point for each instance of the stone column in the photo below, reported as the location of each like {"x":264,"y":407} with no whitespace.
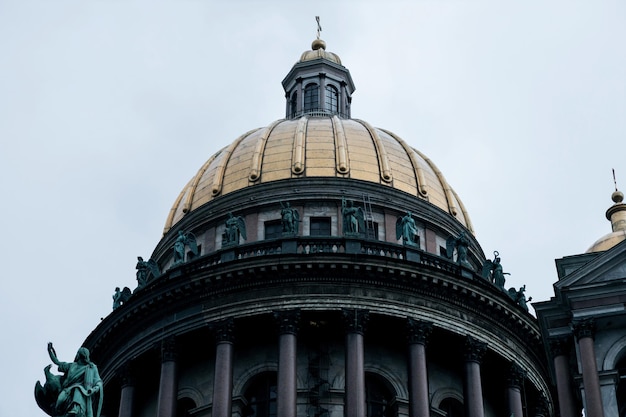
{"x":515,"y":380}
{"x":322,"y":92}
{"x":223,"y":377}
{"x":418,"y":333}
{"x":300,"y":97}
{"x":127,"y":396}
{"x":286,"y":384}
{"x":343,"y":101}
{"x":474,"y":352}
{"x":584,"y":332}
{"x":168,"y":385}
{"x":559,"y":348}
{"x":355,"y":321}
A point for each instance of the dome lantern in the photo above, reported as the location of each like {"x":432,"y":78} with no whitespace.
{"x":616,"y":214}
{"x":318,"y":84}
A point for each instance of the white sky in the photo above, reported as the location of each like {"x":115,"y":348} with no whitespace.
{"x":108,"y":107}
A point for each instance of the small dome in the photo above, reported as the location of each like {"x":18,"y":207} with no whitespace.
{"x":318,"y":51}
{"x":616,"y":214}
{"x":313,"y":147}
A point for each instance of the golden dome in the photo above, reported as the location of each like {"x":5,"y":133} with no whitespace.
{"x":313,"y":147}
{"x":616,"y":214}
{"x":318,"y":51}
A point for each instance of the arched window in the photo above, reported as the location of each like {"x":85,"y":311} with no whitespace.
{"x":183,"y":406}
{"x":332,"y":99}
{"x":261,"y":396}
{"x":293,"y":104}
{"x":452,"y":407}
{"x":311,"y":97}
{"x":378,"y":396}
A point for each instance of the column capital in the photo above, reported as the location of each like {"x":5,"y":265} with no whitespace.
{"x":223,"y":330}
{"x":418,"y":331}
{"x":125,"y":375}
{"x":542,"y":407}
{"x":515,"y":376}
{"x":584,"y":328}
{"x":474,"y":350}
{"x":355,"y":320}
{"x":288,"y":321}
{"x":559,"y":346}
{"x":168,"y":349}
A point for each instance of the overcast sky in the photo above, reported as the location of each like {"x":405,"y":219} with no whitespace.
{"x":108,"y":108}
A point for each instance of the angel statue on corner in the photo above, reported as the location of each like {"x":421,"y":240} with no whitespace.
{"x":182,"y":241}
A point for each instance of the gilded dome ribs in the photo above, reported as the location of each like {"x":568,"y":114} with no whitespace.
{"x":419,"y":171}
{"x":298,"y":159}
{"x":383,"y":158}
{"x":218,"y":179}
{"x":194,"y":183}
{"x":257,"y":157}
{"x":446,"y":187}
{"x":341,"y":149}
{"x":170,"y":217}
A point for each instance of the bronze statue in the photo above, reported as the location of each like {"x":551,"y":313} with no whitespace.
{"x":144,"y":269}
{"x":235,"y":227}
{"x":290,"y":218}
{"x":407,"y":230}
{"x":519,"y":297}
{"x":492,"y":270}
{"x":120,"y":297}
{"x":76,"y":393}
{"x":461,"y":244}
{"x":353,"y":217}
{"x":182,"y":241}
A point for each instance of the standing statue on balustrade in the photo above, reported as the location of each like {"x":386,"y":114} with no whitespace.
{"x":461,"y":245}
{"x":235,"y":227}
{"x":290,"y":218}
{"x":182,"y":241}
{"x":492,"y":271}
{"x":353,"y":218}
{"x":407,"y":230}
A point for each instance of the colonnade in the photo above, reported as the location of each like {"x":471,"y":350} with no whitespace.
{"x":560,"y":347}
{"x":355,"y":321}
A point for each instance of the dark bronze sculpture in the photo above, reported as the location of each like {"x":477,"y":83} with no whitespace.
{"x":460,"y":244}
{"x":182,"y":241}
{"x":407,"y":230}
{"x":235,"y":227}
{"x":519,"y":297}
{"x":144,"y":269}
{"x":290,"y":218}
{"x":120,"y":297}
{"x":353,"y":218}
{"x":492,"y":270}
{"x":76,"y":393}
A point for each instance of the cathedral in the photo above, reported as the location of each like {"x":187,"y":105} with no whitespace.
{"x":322,"y":267}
